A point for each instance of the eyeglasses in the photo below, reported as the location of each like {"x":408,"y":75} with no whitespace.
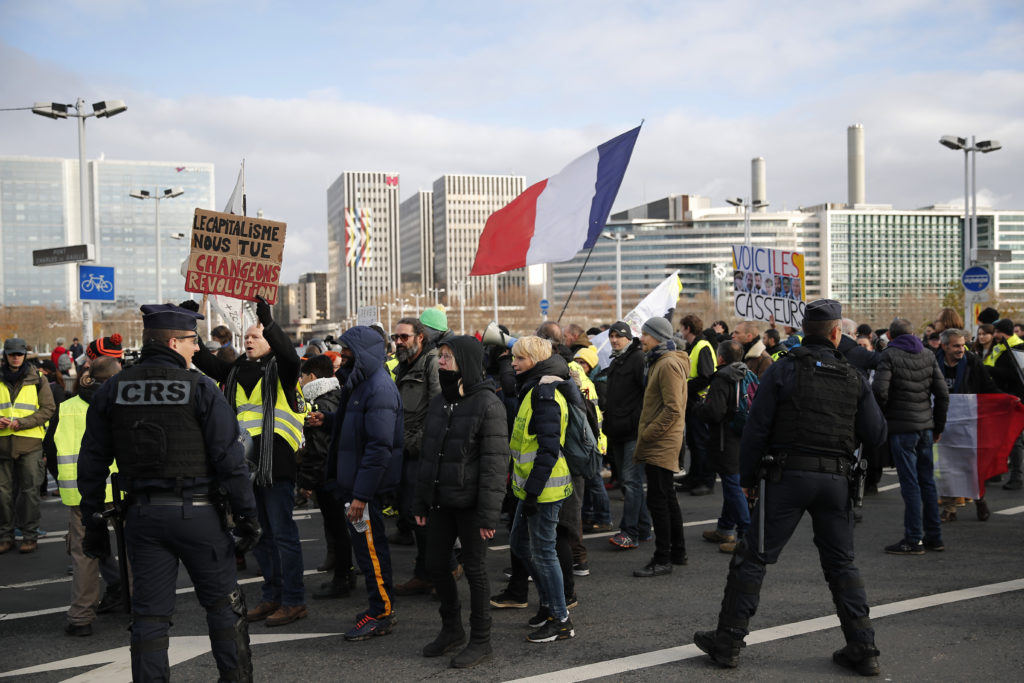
{"x":446,"y":357}
{"x":403,"y":337}
{"x":193,"y":337}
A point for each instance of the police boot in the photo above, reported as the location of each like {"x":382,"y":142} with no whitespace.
{"x":859,"y":657}
{"x":721,"y":646}
{"x":452,"y":634}
{"x":479,"y":648}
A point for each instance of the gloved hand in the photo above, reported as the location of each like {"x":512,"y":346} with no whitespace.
{"x":530,"y":506}
{"x":247,"y":534}
{"x":263,"y":313}
{"x":96,"y":543}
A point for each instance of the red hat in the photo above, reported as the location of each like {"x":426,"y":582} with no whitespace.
{"x":106,"y":346}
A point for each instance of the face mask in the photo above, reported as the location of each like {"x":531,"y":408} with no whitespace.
{"x":450,"y":380}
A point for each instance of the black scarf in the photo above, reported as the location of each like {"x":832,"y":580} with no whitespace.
{"x":450,"y":381}
{"x":12,"y":376}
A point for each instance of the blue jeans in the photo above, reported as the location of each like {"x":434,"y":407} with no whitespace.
{"x":596,"y":508}
{"x":279,"y":552}
{"x":532,"y":539}
{"x":735,"y":513}
{"x":636,"y":521}
{"x":912,"y":455}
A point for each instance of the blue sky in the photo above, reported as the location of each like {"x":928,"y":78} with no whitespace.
{"x":306,"y":90}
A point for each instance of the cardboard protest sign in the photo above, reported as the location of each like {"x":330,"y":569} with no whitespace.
{"x":769,"y":282}
{"x":235,"y":256}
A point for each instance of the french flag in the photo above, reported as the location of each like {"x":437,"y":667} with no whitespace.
{"x":980,"y":431}
{"x":554,"y":219}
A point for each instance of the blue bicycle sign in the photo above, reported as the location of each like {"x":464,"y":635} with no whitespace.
{"x":95,"y":283}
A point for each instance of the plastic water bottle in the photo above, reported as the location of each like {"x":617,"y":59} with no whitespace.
{"x":363,"y":524}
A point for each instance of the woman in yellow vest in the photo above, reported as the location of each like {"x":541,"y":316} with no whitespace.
{"x":540,"y":479}
{"x":63,"y":439}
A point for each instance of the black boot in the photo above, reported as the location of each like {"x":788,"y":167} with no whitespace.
{"x":722,"y":647}
{"x":479,"y":648}
{"x":860,"y":657}
{"x":452,"y":634}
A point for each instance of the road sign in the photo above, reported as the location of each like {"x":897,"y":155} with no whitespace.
{"x":993,"y":255}
{"x":59,"y":255}
{"x":976,"y":279}
{"x":95,"y":283}
{"x":544,"y":305}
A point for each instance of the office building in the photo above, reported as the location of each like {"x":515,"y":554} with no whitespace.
{"x":363,"y":242}
{"x":39,"y":209}
{"x":417,"y":231}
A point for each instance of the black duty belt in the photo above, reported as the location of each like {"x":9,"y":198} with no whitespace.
{"x":169,"y":498}
{"x":826,"y":464}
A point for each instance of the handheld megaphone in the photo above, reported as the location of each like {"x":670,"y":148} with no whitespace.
{"x":493,"y":336}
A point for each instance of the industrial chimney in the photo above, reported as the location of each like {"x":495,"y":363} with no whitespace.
{"x":758,"y":185}
{"x":855,"y":164}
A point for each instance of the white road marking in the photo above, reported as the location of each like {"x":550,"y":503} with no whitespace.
{"x":644,"y":660}
{"x":609,"y":534}
{"x":1011,"y":511}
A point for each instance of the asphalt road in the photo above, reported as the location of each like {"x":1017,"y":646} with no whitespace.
{"x":955,"y":615}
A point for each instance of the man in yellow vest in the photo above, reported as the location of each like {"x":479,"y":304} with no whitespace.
{"x":262,"y":387}
{"x":63,"y":439}
{"x":1003,"y":368}
{"x":26,"y":403}
{"x":700,"y":480}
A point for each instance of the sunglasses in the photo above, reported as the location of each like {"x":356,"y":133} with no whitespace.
{"x":403,"y":337}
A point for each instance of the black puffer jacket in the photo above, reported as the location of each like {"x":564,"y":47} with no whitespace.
{"x":906,"y":378}
{"x":465,"y":453}
{"x":717,"y":410}
{"x":624,"y":397}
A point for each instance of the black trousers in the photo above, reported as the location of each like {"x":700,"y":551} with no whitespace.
{"x":336,"y":531}
{"x":666,"y":519}
{"x":826,"y":498}
{"x":443,"y":527}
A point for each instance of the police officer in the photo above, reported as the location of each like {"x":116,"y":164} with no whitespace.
{"x":176,"y":442}
{"x":810,"y":409}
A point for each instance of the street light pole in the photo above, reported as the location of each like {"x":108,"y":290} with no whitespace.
{"x":619,"y":237}
{"x":169,"y":193}
{"x":105,"y":109}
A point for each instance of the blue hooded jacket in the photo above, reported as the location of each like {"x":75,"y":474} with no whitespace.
{"x":366,"y":432}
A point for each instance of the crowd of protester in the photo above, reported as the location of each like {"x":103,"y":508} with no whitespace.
{"x":458,"y":436}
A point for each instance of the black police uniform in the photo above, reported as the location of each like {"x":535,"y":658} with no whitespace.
{"x":176,"y":440}
{"x":810,"y":408}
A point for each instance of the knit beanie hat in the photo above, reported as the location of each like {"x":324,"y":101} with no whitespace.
{"x":105,"y":346}
{"x":659,"y":328}
{"x":435,"y":319}
{"x":1004,"y":325}
{"x":588,"y":354}
{"x":988,"y":316}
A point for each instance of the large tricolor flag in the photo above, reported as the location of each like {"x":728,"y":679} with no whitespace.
{"x":555,"y":218}
{"x":980,"y":431}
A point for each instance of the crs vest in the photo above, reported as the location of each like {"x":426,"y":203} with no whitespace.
{"x":694,"y":354}
{"x":819,"y":416}
{"x":67,"y":439}
{"x":154,"y":425}
{"x":524,"y":452}
{"x":23,"y":405}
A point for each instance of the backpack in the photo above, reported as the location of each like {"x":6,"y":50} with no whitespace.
{"x":580,"y":449}
{"x":746,"y":389}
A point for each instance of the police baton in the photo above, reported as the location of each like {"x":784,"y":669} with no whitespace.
{"x":766,"y":462}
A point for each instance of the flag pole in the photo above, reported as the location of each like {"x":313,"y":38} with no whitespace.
{"x":569,"y":298}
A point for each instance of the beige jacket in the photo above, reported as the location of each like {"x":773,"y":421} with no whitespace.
{"x":663,"y":417}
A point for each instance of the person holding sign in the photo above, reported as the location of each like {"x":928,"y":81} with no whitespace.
{"x":262,"y":388}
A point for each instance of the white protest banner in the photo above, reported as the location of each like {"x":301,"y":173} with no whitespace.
{"x":768,"y":282}
{"x":235,"y":256}
{"x":658,"y":303}
{"x":367,"y":315}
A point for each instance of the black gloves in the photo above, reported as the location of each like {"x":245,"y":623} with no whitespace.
{"x":530,"y":506}
{"x":247,"y":534}
{"x":263,"y":313}
{"x":96,"y":544}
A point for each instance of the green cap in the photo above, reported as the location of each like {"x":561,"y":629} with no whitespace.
{"x":435,"y":319}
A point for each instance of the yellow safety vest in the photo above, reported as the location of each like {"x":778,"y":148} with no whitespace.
{"x":779,"y":354}
{"x":998,"y":349}
{"x":68,"y":438}
{"x":694,"y":353}
{"x":391,"y":364}
{"x":524,"y":451}
{"x":249,"y":410}
{"x":589,"y":392}
{"x":23,"y":405}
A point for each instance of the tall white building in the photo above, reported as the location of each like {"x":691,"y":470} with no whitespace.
{"x":417,"y":230}
{"x":39,"y":209}
{"x":363,"y":243}
{"x":461,"y":206}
